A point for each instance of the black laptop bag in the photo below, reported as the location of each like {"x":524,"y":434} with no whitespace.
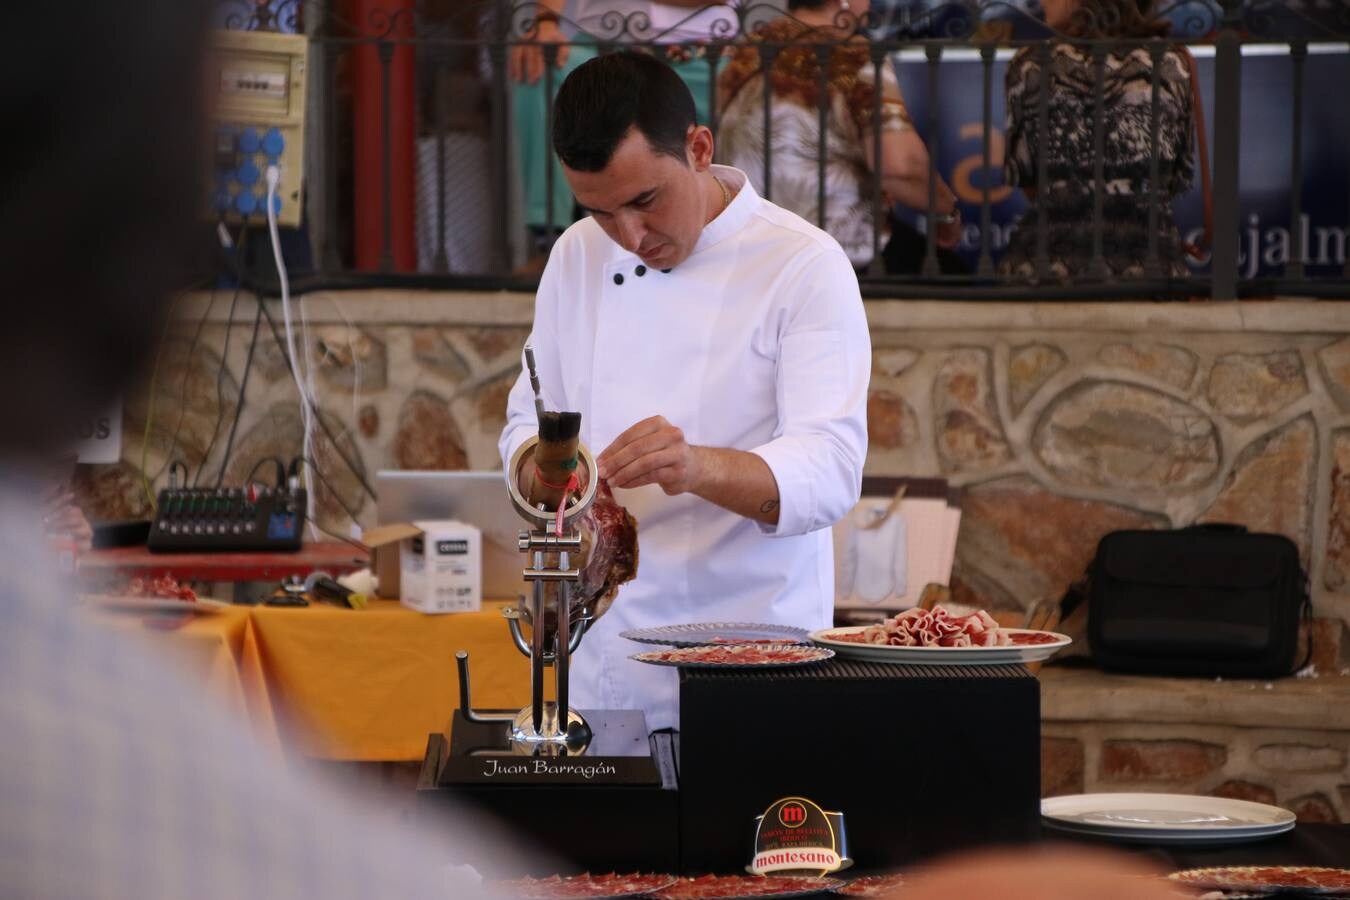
{"x":1209,"y":600}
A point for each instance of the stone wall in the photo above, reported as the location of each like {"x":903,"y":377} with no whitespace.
{"x":1062,"y":421}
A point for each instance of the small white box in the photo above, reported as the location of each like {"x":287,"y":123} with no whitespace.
{"x":441,"y":568}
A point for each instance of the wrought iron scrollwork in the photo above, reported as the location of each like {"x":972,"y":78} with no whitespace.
{"x":261,"y":15}
{"x":953,"y":20}
{"x":1279,"y":20}
{"x":1191,"y":18}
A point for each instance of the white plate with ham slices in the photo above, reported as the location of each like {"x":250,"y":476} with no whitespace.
{"x":1027,"y":646}
{"x":940,"y":637}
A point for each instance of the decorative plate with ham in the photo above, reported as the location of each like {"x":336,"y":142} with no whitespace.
{"x":937,"y":637}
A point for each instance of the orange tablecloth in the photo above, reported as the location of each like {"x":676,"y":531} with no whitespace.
{"x":342,"y":684}
{"x":372,"y":684}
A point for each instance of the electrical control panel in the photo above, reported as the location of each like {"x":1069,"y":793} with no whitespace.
{"x":259,"y":121}
{"x":225,"y":520}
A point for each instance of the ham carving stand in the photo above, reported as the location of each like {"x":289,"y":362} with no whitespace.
{"x":615,"y":784}
{"x":547,"y":742}
{"x":552,"y":545}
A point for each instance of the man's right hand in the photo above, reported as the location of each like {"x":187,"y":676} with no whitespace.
{"x":526,"y":61}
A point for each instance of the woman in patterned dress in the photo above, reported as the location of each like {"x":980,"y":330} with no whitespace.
{"x":1065,"y":203}
{"x":795,"y":127}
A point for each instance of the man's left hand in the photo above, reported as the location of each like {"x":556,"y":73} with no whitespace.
{"x":651,"y":452}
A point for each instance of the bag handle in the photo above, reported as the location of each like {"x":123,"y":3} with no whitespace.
{"x":1199,"y":249}
{"x":1217,"y":527}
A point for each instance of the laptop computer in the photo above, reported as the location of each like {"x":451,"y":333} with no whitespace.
{"x":478,"y":498}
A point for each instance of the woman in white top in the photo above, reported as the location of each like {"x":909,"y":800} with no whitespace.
{"x":795,"y":126}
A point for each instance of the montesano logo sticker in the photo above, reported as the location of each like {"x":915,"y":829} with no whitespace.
{"x":796,"y":836}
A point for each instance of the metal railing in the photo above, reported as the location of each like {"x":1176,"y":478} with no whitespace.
{"x":471,"y":146}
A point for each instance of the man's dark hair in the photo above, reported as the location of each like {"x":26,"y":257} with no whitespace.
{"x":606,"y":96}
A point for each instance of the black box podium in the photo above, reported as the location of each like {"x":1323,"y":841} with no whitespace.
{"x":921,"y":760}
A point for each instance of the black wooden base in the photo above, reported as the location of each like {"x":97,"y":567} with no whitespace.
{"x":583,"y":825}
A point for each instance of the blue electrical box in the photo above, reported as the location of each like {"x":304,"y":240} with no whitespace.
{"x":259,"y":123}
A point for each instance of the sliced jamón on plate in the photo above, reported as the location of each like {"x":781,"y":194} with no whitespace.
{"x":735,"y":887}
{"x":872,"y":886}
{"x":580,"y":887}
{"x":1303,"y":879}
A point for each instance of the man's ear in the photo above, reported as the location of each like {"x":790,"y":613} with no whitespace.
{"x":699,"y":147}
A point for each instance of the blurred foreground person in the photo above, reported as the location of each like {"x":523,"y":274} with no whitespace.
{"x":116,"y":780}
{"x":1054,"y":873}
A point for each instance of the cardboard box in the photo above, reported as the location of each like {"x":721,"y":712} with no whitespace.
{"x":429,"y":566}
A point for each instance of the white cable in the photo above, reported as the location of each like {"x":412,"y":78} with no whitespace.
{"x":306,"y":395}
{"x":307,"y":369}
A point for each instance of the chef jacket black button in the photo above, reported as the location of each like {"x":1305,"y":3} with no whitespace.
{"x":640,"y":271}
{"x":665,"y":271}
{"x":618,"y":279}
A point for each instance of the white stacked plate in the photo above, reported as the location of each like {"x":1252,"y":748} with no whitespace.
{"x":703,"y":634}
{"x":941,"y":656}
{"x":1164,"y":818}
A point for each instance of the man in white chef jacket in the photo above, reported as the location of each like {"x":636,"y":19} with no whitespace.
{"x":716,"y":347}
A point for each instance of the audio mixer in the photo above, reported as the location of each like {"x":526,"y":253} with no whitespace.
{"x":224,"y":520}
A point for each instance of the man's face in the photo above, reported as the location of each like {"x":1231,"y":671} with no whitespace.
{"x":649,"y":203}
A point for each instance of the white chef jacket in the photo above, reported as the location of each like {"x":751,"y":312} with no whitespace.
{"x":757,"y":342}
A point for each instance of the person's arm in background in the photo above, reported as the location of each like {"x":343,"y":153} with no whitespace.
{"x":810,"y":474}
{"x":904,"y":158}
{"x":526,"y":61}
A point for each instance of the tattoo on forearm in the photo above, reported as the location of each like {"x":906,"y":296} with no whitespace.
{"x":769,"y":506}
